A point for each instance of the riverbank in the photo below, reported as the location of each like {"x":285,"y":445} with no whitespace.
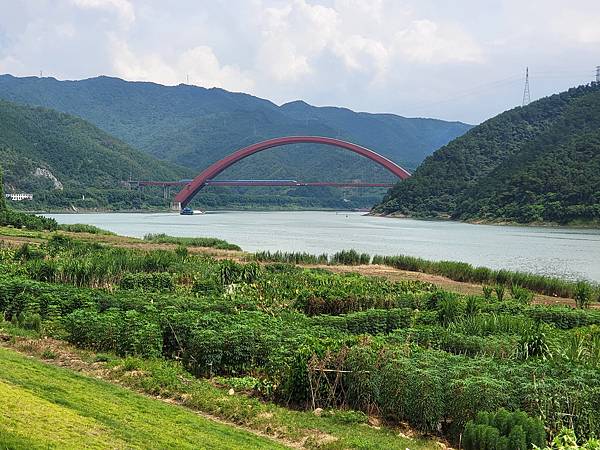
{"x":16,"y":238}
{"x":555,"y":252}
{"x":447,"y":218}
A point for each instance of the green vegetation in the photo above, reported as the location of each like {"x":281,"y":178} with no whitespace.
{"x":84,"y":228}
{"x":168,"y":379}
{"x":191,"y":242}
{"x":194,"y":127}
{"x":538,"y":163}
{"x":503,"y":430}
{"x":20,"y":220}
{"x":405,"y":351}
{"x":291,"y":257}
{"x":2,"y":199}
{"x":48,"y":407}
{"x":87,"y":164}
{"x":518,"y":282}
{"x":566,"y":440}
{"x":460,"y":271}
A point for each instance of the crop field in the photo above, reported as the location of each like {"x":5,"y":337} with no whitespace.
{"x":352,"y":347}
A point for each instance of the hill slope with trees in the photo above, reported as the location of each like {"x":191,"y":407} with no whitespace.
{"x":538,"y":163}
{"x":195,"y":127}
{"x":65,"y":160}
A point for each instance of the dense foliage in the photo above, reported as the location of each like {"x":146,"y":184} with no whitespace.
{"x":20,"y":220}
{"x":194,"y":127}
{"x":504,"y":431}
{"x":2,"y":199}
{"x":538,"y":163}
{"x":403,"y":350}
{"x":88,"y":163}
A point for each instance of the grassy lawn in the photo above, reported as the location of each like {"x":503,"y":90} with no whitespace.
{"x":49,"y":407}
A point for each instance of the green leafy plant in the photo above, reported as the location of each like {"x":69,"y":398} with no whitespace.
{"x":499,"y":289}
{"x":583,"y":294}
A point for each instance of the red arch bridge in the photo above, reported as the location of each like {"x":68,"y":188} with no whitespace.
{"x":206,"y":177}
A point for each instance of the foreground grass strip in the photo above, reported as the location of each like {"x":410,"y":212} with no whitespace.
{"x":169,"y":381}
{"x":49,"y":407}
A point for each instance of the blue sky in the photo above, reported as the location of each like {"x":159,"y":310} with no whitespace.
{"x":453,"y":59}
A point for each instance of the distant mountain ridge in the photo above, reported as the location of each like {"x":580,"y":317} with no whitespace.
{"x":194,"y":126}
{"x":537,"y":163}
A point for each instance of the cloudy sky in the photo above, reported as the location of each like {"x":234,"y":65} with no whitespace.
{"x":451,"y":59}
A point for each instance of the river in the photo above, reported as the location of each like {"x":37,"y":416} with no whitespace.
{"x":565,"y":252}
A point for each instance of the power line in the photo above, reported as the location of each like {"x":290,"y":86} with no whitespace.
{"x":474,"y":90}
{"x":526,"y":94}
{"x":549,"y":73}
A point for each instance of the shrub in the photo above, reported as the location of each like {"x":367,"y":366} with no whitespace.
{"x":350,"y":258}
{"x":520,"y":294}
{"x":84,"y":228}
{"x":152,"y":282}
{"x":450,"y":309}
{"x":499,"y":289}
{"x":566,"y":440}
{"x":487,"y":292}
{"x":191,"y":242}
{"x":504,"y":430}
{"x":583,"y":294}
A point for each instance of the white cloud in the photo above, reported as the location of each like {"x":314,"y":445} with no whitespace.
{"x":123,"y":8}
{"x":425,"y":42}
{"x":200,"y":63}
{"x":291,"y":36}
{"x":364,"y":54}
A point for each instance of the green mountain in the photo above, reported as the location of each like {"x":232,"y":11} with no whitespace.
{"x":538,"y":163}
{"x":2,"y":198}
{"x":194,"y":127}
{"x":64,"y":160}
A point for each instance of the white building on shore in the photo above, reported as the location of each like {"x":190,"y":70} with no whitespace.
{"x":19,"y":197}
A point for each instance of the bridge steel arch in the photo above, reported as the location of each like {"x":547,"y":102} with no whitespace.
{"x":192,"y":188}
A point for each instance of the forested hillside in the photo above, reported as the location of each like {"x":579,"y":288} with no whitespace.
{"x":2,"y":200}
{"x":66,"y":161}
{"x":193,"y":126}
{"x":538,"y":163}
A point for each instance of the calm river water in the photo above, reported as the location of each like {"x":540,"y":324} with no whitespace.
{"x":565,"y":252}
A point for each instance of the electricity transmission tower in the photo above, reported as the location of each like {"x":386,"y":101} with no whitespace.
{"x":597,"y":74}
{"x":526,"y":95}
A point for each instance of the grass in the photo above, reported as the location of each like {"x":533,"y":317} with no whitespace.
{"x":191,"y":242}
{"x":49,"y":407}
{"x":464,"y":272}
{"x":168,"y":379}
{"x":84,"y":228}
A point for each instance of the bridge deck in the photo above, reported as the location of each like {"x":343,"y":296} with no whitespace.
{"x":259,"y":183}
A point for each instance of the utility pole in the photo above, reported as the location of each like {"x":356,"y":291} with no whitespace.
{"x":526,"y":95}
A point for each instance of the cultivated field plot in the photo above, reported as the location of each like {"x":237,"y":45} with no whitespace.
{"x":363,"y":351}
